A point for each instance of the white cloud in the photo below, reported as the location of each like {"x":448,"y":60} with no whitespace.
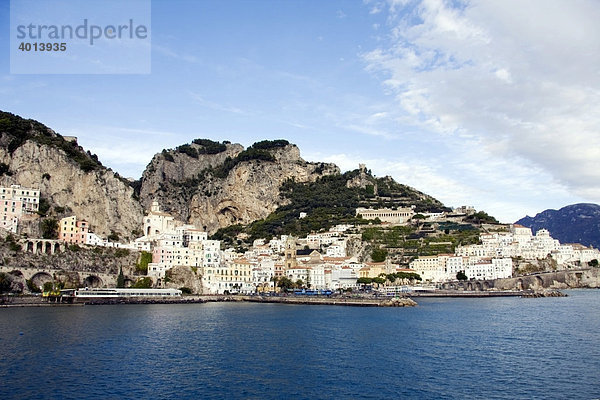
{"x":519,"y":79}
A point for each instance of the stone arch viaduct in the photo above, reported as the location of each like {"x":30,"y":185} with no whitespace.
{"x":39,"y":246}
{"x":41,"y":275}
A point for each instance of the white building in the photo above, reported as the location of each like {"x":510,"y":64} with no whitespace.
{"x":444,"y":267}
{"x":494,"y":268}
{"x":157,"y":222}
{"x":398,"y":216}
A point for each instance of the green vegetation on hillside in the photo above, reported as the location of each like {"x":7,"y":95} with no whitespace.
{"x":410,"y":241}
{"x":259,"y":151}
{"x":49,"y":228}
{"x":481,"y":217}
{"x":209,"y":146}
{"x":327,"y":202}
{"x":187,"y":149}
{"x":143,"y":283}
{"x":391,"y":194}
{"x":142,"y":265}
{"x":203,"y":146}
{"x":270,"y":144}
{"x":19,"y":130}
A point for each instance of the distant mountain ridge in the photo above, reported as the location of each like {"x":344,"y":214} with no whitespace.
{"x":576,"y":223}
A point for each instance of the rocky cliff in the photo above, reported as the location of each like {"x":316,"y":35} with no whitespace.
{"x":210,"y":184}
{"x":33,"y":155}
{"x":233,"y":186}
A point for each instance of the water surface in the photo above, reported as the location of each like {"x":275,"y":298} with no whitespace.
{"x":496,"y":348}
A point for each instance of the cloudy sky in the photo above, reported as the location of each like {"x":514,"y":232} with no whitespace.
{"x":494,"y":104}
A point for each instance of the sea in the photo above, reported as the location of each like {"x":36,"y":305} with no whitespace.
{"x":485,"y":348}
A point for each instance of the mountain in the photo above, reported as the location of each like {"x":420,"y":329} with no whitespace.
{"x":259,"y":190}
{"x":331,"y":200}
{"x":71,"y":180}
{"x":215,"y":185}
{"x":263,"y":189}
{"x":576,"y":223}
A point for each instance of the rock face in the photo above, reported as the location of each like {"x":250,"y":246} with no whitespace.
{"x":218,"y":190}
{"x":174,"y":173}
{"x":183,"y":276}
{"x":97,"y":196}
{"x":584,"y":278}
{"x":577,"y":223}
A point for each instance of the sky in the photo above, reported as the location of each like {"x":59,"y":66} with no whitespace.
{"x":493,"y":104}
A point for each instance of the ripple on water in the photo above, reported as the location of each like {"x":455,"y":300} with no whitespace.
{"x":500,"y":348}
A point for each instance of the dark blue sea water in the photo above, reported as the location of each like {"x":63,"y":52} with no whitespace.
{"x":498,"y":348}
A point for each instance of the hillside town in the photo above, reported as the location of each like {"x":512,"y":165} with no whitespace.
{"x":319,"y":261}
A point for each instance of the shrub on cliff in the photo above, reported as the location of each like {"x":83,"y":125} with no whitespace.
{"x":143,"y":283}
{"x":5,"y":282}
{"x":209,"y":146}
{"x":49,"y":228}
{"x":270,"y":144}
{"x":188,"y":150}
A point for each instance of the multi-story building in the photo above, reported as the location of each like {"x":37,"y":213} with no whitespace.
{"x":72,"y":230}
{"x":431,"y":268}
{"x":444,"y":267}
{"x":233,"y":277}
{"x":15,"y":202}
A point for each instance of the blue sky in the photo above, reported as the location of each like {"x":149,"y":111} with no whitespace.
{"x":490,"y":105}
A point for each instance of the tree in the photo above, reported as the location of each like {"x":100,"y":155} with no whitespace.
{"x":593,"y":263}
{"x":461,"y":276}
{"x":5,"y":282}
{"x":379,"y":280}
{"x":364,"y":281}
{"x":121,"y":279}
{"x":379,"y":255}
{"x":113,"y":237}
{"x":32,"y":286}
{"x":285,"y":283}
{"x":143,"y":283}
{"x":185,"y":290}
{"x":299,"y":283}
{"x":49,"y":228}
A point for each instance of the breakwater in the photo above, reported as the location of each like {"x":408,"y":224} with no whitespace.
{"x":335,"y":301}
{"x":35,"y":301}
{"x":352,"y":301}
